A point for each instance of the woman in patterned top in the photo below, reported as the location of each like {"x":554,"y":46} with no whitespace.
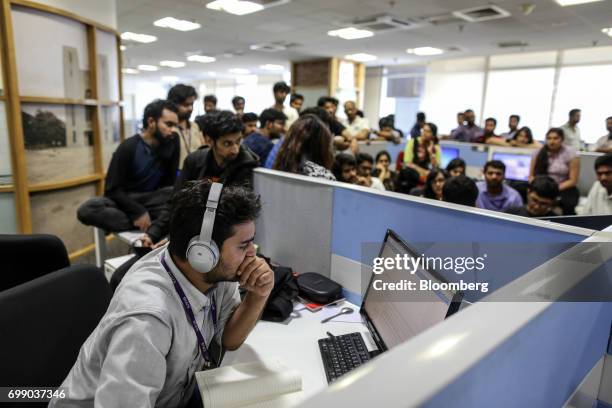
{"x":562,"y":164}
{"x":307,"y":149}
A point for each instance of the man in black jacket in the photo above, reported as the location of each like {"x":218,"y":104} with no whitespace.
{"x":140,"y":175}
{"x":226,"y":161}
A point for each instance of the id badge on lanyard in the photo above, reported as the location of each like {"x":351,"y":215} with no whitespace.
{"x":204,"y":349}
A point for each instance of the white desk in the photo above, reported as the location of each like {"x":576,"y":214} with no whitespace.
{"x":295,"y":342}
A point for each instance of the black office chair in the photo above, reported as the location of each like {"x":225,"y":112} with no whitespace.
{"x":45,"y":321}
{"x":27,"y":257}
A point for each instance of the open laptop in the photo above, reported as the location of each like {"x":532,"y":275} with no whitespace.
{"x":391,"y":318}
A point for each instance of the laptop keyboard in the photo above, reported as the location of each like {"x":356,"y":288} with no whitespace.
{"x":341,"y":354}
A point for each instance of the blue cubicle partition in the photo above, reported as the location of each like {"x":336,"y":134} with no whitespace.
{"x":329,"y":222}
{"x":363,"y":216}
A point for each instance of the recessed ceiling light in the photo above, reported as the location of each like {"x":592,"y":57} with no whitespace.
{"x":361,"y":57}
{"x":239,"y":71}
{"x":201,"y":58}
{"x":212,"y":73}
{"x":148,"y":68}
{"x":565,"y":3}
{"x":176,"y":24}
{"x":170,"y":78}
{"x":129,"y":71}
{"x":422,"y":51}
{"x":272,"y":67}
{"x":122,"y":47}
{"x":237,"y":7}
{"x":350,"y":33}
{"x":172,"y":64}
{"x":607,"y":31}
{"x":141,"y":38}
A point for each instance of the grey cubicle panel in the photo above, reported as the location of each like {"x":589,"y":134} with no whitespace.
{"x":587,"y":172}
{"x":285,"y":237}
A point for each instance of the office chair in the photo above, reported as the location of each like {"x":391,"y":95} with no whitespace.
{"x":27,"y":257}
{"x":45,"y":321}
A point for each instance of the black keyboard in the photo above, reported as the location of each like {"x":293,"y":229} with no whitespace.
{"x":341,"y":354}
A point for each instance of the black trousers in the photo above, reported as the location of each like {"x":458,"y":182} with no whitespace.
{"x":102,"y":212}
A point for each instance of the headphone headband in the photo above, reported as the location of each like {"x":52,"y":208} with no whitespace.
{"x":209,"y":215}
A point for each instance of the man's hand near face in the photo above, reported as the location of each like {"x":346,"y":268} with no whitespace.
{"x":257,"y":278}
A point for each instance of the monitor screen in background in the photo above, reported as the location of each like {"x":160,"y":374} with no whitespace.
{"x":448,"y":154}
{"x":398,"y":319}
{"x":517,"y":165}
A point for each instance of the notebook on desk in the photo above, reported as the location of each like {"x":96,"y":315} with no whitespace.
{"x":389,"y":320}
{"x":257,"y":384}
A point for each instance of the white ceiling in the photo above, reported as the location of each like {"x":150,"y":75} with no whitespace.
{"x":306,"y":23}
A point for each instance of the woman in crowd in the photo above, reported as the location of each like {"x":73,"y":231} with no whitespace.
{"x":307,"y":149}
{"x":434,"y":183}
{"x":524,"y":138}
{"x":456,"y":167}
{"x":423,"y":153}
{"x":562,"y":164}
{"x":383,"y":172}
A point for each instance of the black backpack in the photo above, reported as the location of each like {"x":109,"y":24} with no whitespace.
{"x":285,"y":291}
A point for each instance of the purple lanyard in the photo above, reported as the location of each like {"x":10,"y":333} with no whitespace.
{"x":191,"y":316}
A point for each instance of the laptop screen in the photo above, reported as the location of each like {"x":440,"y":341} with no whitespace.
{"x":448,"y":154}
{"x":517,"y":165}
{"x":399,"y":317}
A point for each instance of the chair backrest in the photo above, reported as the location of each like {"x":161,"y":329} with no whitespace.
{"x":27,"y":257}
{"x":44,"y":322}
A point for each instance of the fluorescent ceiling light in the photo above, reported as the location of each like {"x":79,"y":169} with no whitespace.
{"x":201,"y":58}
{"x":176,"y":24}
{"x":172,"y":64}
{"x":361,"y":57}
{"x":239,"y":71}
{"x":170,"y":78}
{"x":129,"y":71}
{"x":141,"y":38}
{"x":122,"y":47}
{"x":421,"y":51}
{"x":147,"y":68}
{"x":350,"y":33}
{"x":272,"y":67}
{"x":237,"y":7}
{"x":607,"y":31}
{"x":565,"y":3}
{"x":212,"y":73}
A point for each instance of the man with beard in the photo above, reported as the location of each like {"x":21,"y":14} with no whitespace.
{"x":174,"y":313}
{"x":493,"y":193}
{"x":140,"y":175}
{"x":190,"y":135}
{"x":226,"y":161}
{"x":599,"y":200}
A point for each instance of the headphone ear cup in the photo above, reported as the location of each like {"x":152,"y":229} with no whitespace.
{"x":202,"y":256}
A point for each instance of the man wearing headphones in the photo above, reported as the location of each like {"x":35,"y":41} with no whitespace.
{"x":178,"y":307}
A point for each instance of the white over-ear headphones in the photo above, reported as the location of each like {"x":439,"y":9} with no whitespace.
{"x":202,"y":252}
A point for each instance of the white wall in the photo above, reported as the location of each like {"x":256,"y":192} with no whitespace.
{"x":541,"y":87}
{"x":101,"y":11}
